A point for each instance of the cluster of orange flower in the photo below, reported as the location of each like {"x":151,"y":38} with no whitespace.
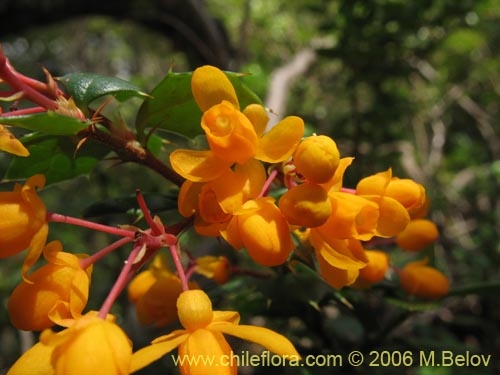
{"x":226,"y":190}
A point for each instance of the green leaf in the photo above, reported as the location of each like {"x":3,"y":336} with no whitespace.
{"x":481,"y":288}
{"x":55,"y":157}
{"x":84,"y":88}
{"x":172,"y":106}
{"x":413,"y":305}
{"x":50,"y":123}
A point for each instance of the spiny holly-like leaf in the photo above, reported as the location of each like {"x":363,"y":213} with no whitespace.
{"x":50,"y":123}
{"x":84,"y":88}
{"x":172,"y":106}
{"x":55,"y":157}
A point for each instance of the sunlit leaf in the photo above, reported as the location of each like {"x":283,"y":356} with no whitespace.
{"x":172,"y":106}
{"x":84,"y":88}
{"x":413,"y":305}
{"x":50,"y":123}
{"x":55,"y":157}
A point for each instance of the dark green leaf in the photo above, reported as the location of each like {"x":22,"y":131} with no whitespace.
{"x":413,"y":305}
{"x":84,"y":88}
{"x":482,"y":288}
{"x":155,"y":202}
{"x":50,"y":123}
{"x":172,"y":106}
{"x":55,"y":157}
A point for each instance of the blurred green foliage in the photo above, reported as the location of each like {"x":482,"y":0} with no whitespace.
{"x":410,"y":85}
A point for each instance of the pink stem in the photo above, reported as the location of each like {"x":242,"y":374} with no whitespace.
{"x":120,"y":282}
{"x":147,"y":215}
{"x":26,"y":111}
{"x":58,"y":218}
{"x":84,"y":263}
{"x":178,"y":265}
{"x":267,"y":184}
{"x":9,"y":76}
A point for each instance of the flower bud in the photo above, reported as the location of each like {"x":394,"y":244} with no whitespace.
{"x":317,"y":158}
{"x":418,"y":235}
{"x":194,"y":309}
{"x":90,"y":346}
{"x":306,"y":205}
{"x":423,"y":281}
{"x":407,"y":192}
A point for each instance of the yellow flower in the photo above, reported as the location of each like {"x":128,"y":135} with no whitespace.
{"x":316,"y":158}
{"x":213,"y":202}
{"x":9,"y":143}
{"x":202,"y":336}
{"x":339,"y":261}
{"x":408,"y":193}
{"x":306,"y":205}
{"x":23,"y":222}
{"x":260,"y":227}
{"x":423,"y":281}
{"x":232,"y":136}
{"x":57,"y":293}
{"x":155,"y":292}
{"x":375,"y":270}
{"x":216,"y":268}
{"x":419,"y":234}
{"x":91,"y":345}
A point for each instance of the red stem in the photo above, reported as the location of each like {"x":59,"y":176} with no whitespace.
{"x":26,"y":111}
{"x":348,"y":190}
{"x":120,"y":282}
{"x":147,"y":215}
{"x":10,"y":77}
{"x":84,"y":263}
{"x":267,"y":184}
{"x":58,"y":218}
{"x":178,"y":265}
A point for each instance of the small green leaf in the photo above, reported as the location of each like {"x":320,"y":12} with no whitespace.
{"x":84,"y":88}
{"x":55,"y":157}
{"x":50,"y":123}
{"x":172,"y":106}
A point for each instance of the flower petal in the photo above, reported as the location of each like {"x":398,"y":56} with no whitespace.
{"x":11,"y":144}
{"x":269,"y":339}
{"x":143,"y":357}
{"x":210,"y":86}
{"x":36,"y":361}
{"x":280,"y":142}
{"x":257,"y":116}
{"x":198,"y":166}
{"x":36,"y":248}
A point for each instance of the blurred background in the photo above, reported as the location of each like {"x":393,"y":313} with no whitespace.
{"x":410,"y":85}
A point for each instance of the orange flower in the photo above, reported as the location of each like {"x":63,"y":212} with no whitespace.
{"x":203,"y":337}
{"x":419,"y":234}
{"x":423,"y":281}
{"x":306,"y":205}
{"x":316,"y":158}
{"x":155,"y":292}
{"x":339,"y":260}
{"x":375,"y":270}
{"x":216,"y":268}
{"x":23,"y":222}
{"x":91,"y":345}
{"x":231,"y":135}
{"x":261,"y":228}
{"x":57,"y":293}
{"x":213,"y":202}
